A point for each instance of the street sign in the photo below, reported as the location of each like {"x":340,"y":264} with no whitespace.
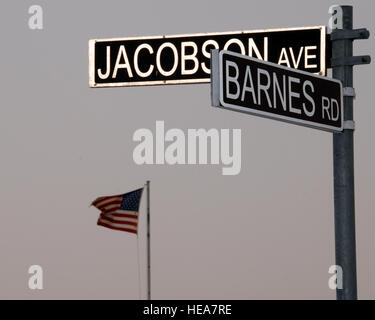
{"x":265,"y":89}
{"x":186,"y":58}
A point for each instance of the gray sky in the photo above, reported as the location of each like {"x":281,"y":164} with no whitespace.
{"x":265,"y":233}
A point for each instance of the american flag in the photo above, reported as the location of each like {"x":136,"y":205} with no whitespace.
{"x":119,"y":212}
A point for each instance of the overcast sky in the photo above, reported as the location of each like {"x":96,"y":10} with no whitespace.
{"x":265,"y":233}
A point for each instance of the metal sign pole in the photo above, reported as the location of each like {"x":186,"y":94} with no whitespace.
{"x":343,"y":154}
{"x":148,"y":244}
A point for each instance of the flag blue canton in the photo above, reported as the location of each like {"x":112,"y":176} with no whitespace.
{"x":131,"y":200}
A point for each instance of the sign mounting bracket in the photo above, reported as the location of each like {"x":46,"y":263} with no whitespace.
{"x":343,"y":34}
{"x":350,"y":61}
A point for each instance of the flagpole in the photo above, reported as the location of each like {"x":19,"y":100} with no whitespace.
{"x":148,"y":244}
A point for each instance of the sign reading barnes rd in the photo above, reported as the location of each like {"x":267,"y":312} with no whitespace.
{"x":186,"y":58}
{"x":253,"y":86}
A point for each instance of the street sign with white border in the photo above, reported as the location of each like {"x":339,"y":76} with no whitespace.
{"x":179,"y":59}
{"x":265,"y":89}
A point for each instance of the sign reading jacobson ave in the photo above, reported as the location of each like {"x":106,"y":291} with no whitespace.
{"x":253,"y":86}
{"x":186,"y":58}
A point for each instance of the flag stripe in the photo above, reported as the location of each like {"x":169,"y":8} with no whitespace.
{"x":104,"y":203}
{"x":120,"y":225}
{"x":119,"y":216}
{"x":130,"y":221}
{"x":127,"y":212}
{"x":122,"y":213}
{"x":98,"y":200}
{"x":117,"y":228}
{"x":110,"y":203}
{"x":103,"y":199}
{"x":112,"y":207}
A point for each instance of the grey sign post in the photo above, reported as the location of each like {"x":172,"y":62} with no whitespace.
{"x":343,"y":152}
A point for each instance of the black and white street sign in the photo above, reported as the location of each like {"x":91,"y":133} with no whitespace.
{"x":186,"y":58}
{"x":253,"y":86}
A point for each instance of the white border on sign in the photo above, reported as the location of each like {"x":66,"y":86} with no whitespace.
{"x":92,"y":42}
{"x":265,"y":114}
